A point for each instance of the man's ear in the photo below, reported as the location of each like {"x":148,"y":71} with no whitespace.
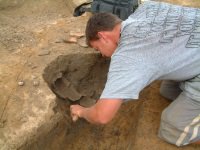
{"x":102,"y":35}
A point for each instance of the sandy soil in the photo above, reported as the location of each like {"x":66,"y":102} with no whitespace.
{"x":33,"y":35}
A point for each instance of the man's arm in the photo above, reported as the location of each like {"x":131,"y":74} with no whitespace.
{"x":100,"y":113}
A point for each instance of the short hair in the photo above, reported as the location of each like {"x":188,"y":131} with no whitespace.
{"x":100,"y":22}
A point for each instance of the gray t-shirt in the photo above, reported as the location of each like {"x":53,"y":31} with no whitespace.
{"x":159,"y":41}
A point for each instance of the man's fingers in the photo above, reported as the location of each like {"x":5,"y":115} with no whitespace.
{"x":74,"y":118}
{"x":74,"y":112}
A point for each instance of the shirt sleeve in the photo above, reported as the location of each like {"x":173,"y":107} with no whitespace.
{"x":126,"y":78}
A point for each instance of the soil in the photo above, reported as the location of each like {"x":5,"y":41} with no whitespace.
{"x":36,"y":64}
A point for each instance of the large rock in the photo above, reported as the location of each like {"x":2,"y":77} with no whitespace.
{"x":72,"y":4}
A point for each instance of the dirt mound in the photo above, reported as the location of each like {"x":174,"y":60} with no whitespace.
{"x":77,"y":78}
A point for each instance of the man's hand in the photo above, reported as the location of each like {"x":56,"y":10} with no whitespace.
{"x":100,"y":113}
{"x":76,"y":112}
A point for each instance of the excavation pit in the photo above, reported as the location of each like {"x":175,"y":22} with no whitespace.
{"x":80,"y":79}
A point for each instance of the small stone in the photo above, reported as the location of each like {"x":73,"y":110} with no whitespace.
{"x":33,"y":77}
{"x":30,"y":64}
{"x":21,"y":83}
{"x":77,"y":34}
{"x":33,"y":67}
{"x":39,"y":30}
{"x":36,"y":83}
{"x":70,"y":40}
{"x":53,"y":23}
{"x":59,"y":40}
{"x":44,"y":52}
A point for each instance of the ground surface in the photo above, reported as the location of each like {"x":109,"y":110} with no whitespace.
{"x":35,"y":33}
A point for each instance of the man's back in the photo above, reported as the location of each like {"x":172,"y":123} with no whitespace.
{"x":158,"y":41}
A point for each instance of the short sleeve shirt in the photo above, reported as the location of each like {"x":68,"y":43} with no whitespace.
{"x":158,"y":41}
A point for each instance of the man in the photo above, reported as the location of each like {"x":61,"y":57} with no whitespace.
{"x":158,"y":42}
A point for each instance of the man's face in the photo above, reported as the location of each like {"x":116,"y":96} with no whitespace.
{"x":105,"y":46}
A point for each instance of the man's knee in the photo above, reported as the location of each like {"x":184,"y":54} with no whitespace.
{"x":170,"y":89}
{"x":180,"y":120}
{"x":171,"y":118}
{"x":177,"y":130}
{"x":169,"y":128}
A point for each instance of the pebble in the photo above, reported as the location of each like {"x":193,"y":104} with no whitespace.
{"x":21,"y":83}
{"x":36,"y":83}
{"x":29,"y":64}
{"x":53,"y":23}
{"x":44,"y":52}
{"x":59,"y":40}
{"x":33,"y":77}
{"x":33,"y":67}
{"x":70,"y":40}
{"x":77,"y":34}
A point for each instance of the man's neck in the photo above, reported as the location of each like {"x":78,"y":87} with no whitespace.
{"x":116,"y":33}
